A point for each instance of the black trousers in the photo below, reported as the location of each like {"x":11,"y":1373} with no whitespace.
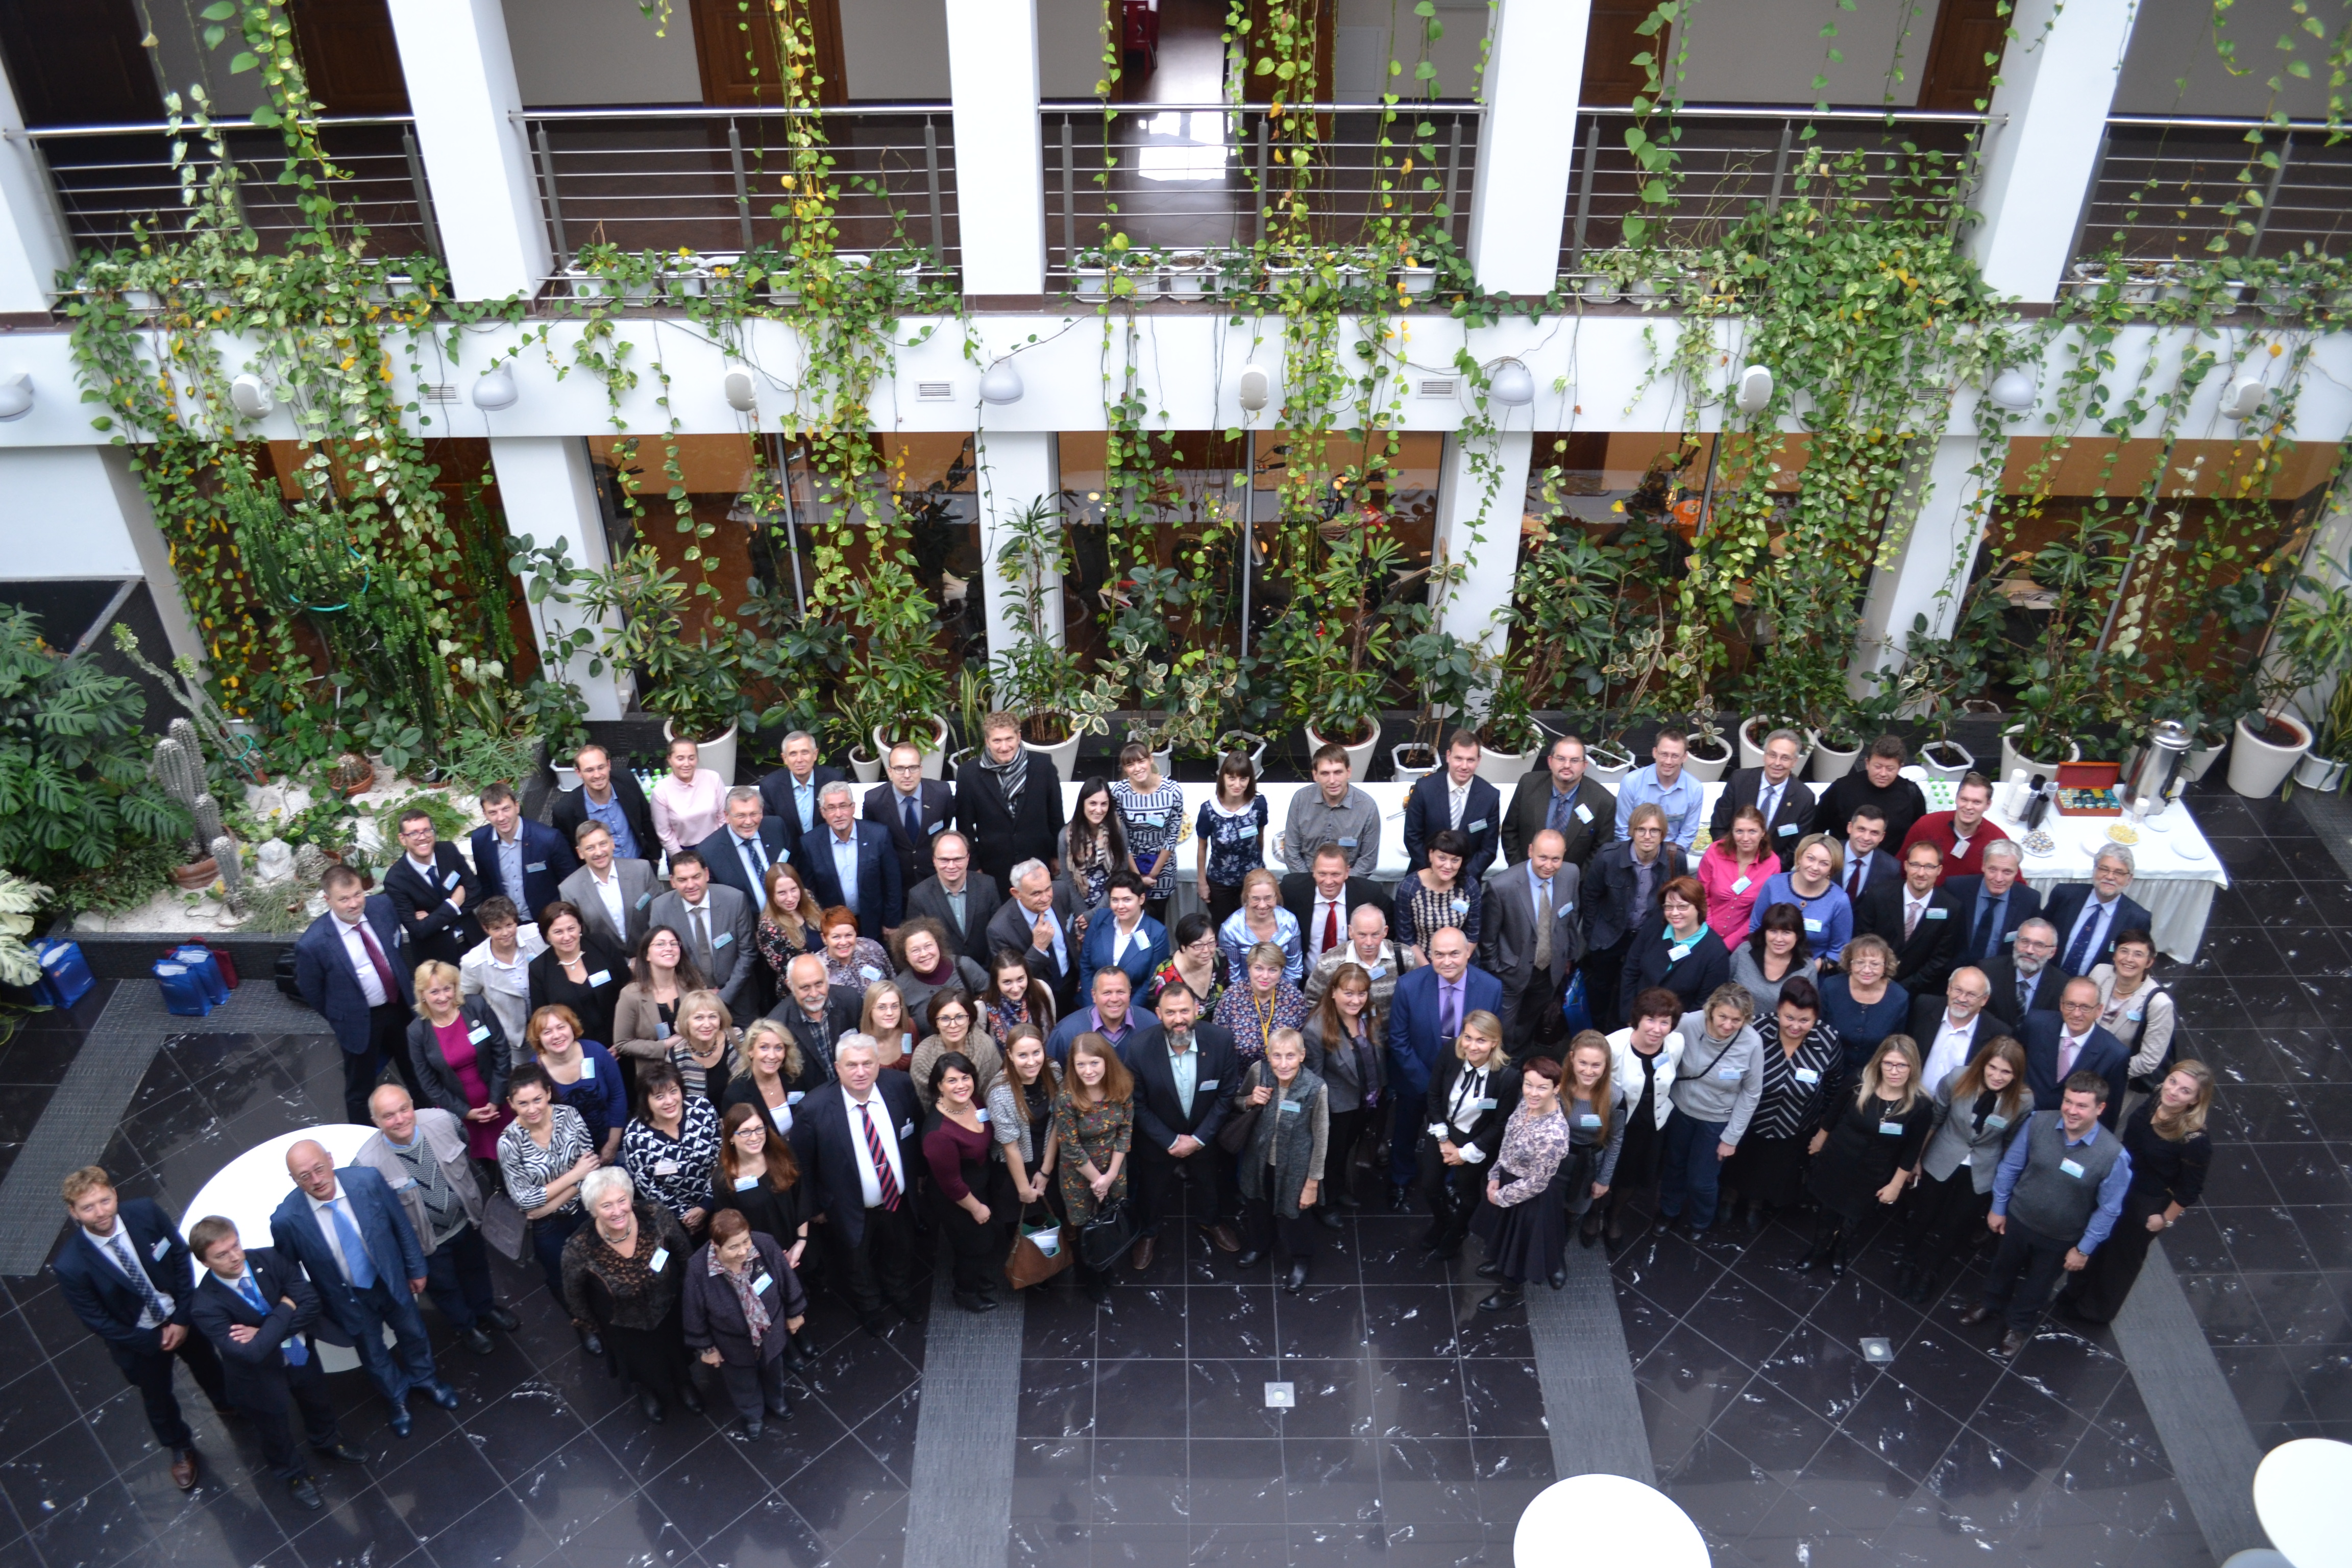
{"x":305,"y":1390}
{"x":1947,"y":1219}
{"x":976,"y":1251}
{"x":388,"y":1042}
{"x":149,"y":1371}
{"x":2098,"y":1292}
{"x":2039,"y":1260}
{"x":1452,"y":1192}
{"x":458,"y":1278}
{"x":547,"y":1238}
{"x":1340,"y":1163}
{"x":881,"y":1265}
{"x":752,"y":1389}
{"x":1603,"y":972}
{"x":1155,"y":1183}
{"x":1261,"y":1226}
{"x":1223,"y":903}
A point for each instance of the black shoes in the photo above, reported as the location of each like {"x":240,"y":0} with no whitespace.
{"x":498,"y":1318}
{"x":1558,"y":1280}
{"x":874,"y":1324}
{"x":591,"y":1344}
{"x":1400,"y":1200}
{"x":342,"y":1452}
{"x":1249,"y":1259}
{"x":401,"y":1422}
{"x":1663,"y":1224}
{"x":1489,"y":1269}
{"x":1980,"y":1313}
{"x":474,"y":1339}
{"x":1502,"y":1300}
{"x":441,"y":1394}
{"x":1298,"y":1280}
{"x":972,"y":1302}
{"x":2010,"y":1343}
{"x":752,"y":1428}
{"x":1590,"y":1231}
{"x":689,"y":1396}
{"x":649,"y":1404}
{"x":1326,"y":1216}
{"x":797,"y":1357}
{"x":304,"y":1494}
{"x":907,"y":1309}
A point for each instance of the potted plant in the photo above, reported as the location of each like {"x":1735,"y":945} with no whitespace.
{"x":2324,"y":765}
{"x":2055,"y":712}
{"x":2310,"y":642}
{"x":1190,"y":698}
{"x":899,"y":668}
{"x":1510,"y":740}
{"x":1337,"y":646}
{"x":701,"y":698}
{"x":1936,"y":677}
{"x":1444,"y":670}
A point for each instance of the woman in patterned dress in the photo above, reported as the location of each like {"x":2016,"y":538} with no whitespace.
{"x":1094,"y":1125}
{"x":1151,"y":811}
{"x":1251,"y":1012}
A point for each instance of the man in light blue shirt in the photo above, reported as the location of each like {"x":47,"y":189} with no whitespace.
{"x":2056,"y":1199}
{"x":1665,"y":785}
{"x":841,"y":838}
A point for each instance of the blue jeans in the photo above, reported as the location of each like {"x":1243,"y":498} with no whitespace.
{"x":1692,"y":1174}
{"x":409,"y":1363}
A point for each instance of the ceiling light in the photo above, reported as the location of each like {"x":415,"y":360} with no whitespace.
{"x":1512,"y":385}
{"x":1755,"y":390}
{"x":1257,"y":387}
{"x":2012,"y":389}
{"x":1002,"y":384}
{"x":250,"y":397}
{"x":496,"y":390}
{"x":2243,"y":397}
{"x":743,"y":396}
{"x":15,"y":396}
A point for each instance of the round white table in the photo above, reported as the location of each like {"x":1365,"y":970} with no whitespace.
{"x":2299,"y":1495}
{"x":247,"y":1190}
{"x":1606,"y":1519}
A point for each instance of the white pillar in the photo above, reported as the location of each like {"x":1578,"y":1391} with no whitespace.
{"x":1486,"y":550}
{"x":2057,"y":82}
{"x":79,"y":513}
{"x":32,"y":244}
{"x":1000,"y":174}
{"x":461,"y":88}
{"x":549,"y":494}
{"x":1016,"y":467}
{"x":1527,"y":143}
{"x":1930,"y":575}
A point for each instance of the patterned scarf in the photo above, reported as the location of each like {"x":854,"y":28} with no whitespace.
{"x":755,"y":1314}
{"x":1011,"y":777}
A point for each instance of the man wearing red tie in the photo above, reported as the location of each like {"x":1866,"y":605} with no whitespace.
{"x":350,"y":968}
{"x":1321,"y":905}
{"x":856,"y":1143}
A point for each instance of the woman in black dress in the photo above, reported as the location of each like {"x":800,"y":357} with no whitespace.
{"x":1470,"y":1099}
{"x":2169,"y":1154}
{"x":1865,"y":1157}
{"x":1680,"y":952}
{"x":578,"y":971}
{"x":1520,"y":1218}
{"x":1802,"y":1085}
{"x":623,"y":1277}
{"x":757,"y":1176}
{"x":1980,"y":1109}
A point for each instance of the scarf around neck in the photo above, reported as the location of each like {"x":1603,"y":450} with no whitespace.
{"x":1011,"y":777}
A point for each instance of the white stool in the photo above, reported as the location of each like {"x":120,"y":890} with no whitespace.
{"x":1595,"y":1519}
{"x":2300,"y":1492}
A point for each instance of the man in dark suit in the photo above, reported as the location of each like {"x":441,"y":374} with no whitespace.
{"x":1454,"y":796}
{"x":434,"y":892}
{"x":959,"y":898}
{"x":1865,"y":864}
{"x":852,"y":863}
{"x":1619,"y":894}
{"x":1920,"y":920}
{"x":1557,"y":795}
{"x":1424,"y":1019}
{"x":1995,"y":904}
{"x":2089,"y":917}
{"x":612,"y":796}
{"x":353,"y":970}
{"x":1036,"y":922}
{"x":1786,"y":800}
{"x":257,"y":1311}
{"x":353,"y":1238}
{"x":1123,"y":937}
{"x":717,"y":924}
{"x":1176,"y":1124}
{"x":1530,"y":938}
{"x":915,"y":809}
{"x":789,"y":794}
{"x":2025,"y":979}
{"x":816,"y":1012}
{"x":612,"y":894}
{"x":1950,"y":1029}
{"x":517,"y":859}
{"x":126,"y":1274}
{"x":1878,"y":783}
{"x":856,"y":1143}
{"x":2058,"y":1045}
{"x":1008,"y":810}
{"x":1323,"y":900}
{"x":749,"y":841}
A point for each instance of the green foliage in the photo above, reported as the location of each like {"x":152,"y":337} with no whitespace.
{"x":448,"y":822}
{"x":19,"y":898}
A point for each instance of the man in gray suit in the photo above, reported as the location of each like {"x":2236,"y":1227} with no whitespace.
{"x":1532,"y":938}
{"x":613,"y":894}
{"x":1040,"y":922}
{"x":717,"y":924}
{"x":959,"y":898}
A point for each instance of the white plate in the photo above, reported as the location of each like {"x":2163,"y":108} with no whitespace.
{"x":2188,"y":850}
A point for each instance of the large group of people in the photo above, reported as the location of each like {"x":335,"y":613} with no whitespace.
{"x":723,"y":1046}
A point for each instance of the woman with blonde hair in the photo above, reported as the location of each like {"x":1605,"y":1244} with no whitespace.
{"x":884,"y":1017}
{"x":1595,"y":1108}
{"x":1094,"y":1131}
{"x":1471,"y":1096}
{"x":703,"y":1049}
{"x":1980,"y":1109}
{"x":776,"y":1074}
{"x":459,"y":1050}
{"x":2170,"y":1154}
{"x":1868,"y":1151}
{"x":1267,"y":1000}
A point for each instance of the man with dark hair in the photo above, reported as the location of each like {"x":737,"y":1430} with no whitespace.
{"x":1323,"y":900}
{"x":1557,"y":795}
{"x":2054,"y":1201}
{"x":434,"y":892}
{"x":611,"y":794}
{"x":1184,"y":1070}
{"x":1962,"y":832}
{"x":354,"y":968}
{"x":516,"y":857}
{"x":1878,"y":782}
{"x":1866,"y":865}
{"x":717,"y":924}
{"x":1456,"y":797}
{"x":1923,"y":922}
{"x":1334,"y":812}
{"x":1666,"y":785}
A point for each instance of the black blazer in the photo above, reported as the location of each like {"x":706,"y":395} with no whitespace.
{"x":255,"y":1373}
{"x":593,"y":1003}
{"x":1002,"y":837}
{"x":982,"y":899}
{"x":1884,"y":867}
{"x":1791,"y":822}
{"x":493,"y":1056}
{"x":103,"y":1300}
{"x":2021,"y":905}
{"x":1608,"y":889}
{"x":1013,"y":926}
{"x":934,"y":805}
{"x":1928,"y":1016}
{"x":572,"y":810}
{"x":776,"y":795}
{"x":1924,"y":962}
{"x":1902,"y":804}
{"x":1531,"y":803}
{"x":881,"y":896}
{"x":543,"y":847}
{"x":435,"y":930}
{"x":844,"y":1008}
{"x":2102,"y":1053}
{"x":821,"y":1143}
{"x":1298,"y":897}
{"x":2065,"y":907}
{"x":1426,"y":811}
{"x":323,"y":974}
{"x":1160,"y":1116}
{"x":2001,"y":973}
{"x":1487,"y":1131}
{"x":725,"y":864}
{"x":1650,"y":961}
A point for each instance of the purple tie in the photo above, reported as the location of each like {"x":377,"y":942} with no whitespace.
{"x":1449,"y":1011}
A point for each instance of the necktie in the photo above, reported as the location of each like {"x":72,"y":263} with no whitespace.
{"x":1330,"y":924}
{"x":1543,"y":925}
{"x":914,"y":815}
{"x":2024,"y":993}
{"x":1910,"y":919}
{"x":755,"y":857}
{"x":1449,"y":1012}
{"x":356,"y":1263}
{"x":2068,"y":1049}
{"x":1768,"y":801}
{"x":2078,"y":952}
{"x":382,"y":969}
{"x":882,"y":1176}
{"x":1454,"y":809}
{"x":295,"y":1355}
{"x":118,"y":1244}
{"x":1555,"y":818}
{"x":1853,"y":878}
{"x":702,"y":938}
{"x":1980,"y":939}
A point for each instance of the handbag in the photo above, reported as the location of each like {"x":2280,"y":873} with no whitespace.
{"x":502,"y":1226}
{"x":1241,"y":1120}
{"x":1039,"y":1251}
{"x":1106,"y":1238}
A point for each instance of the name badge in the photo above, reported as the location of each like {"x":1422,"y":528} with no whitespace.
{"x":1584,"y":813}
{"x":478,"y":1033}
{"x":531,"y":866}
{"x":1728,"y":1074}
{"x":1785,"y":829}
{"x":906,"y":1130}
{"x":664,"y":1167}
{"x":642,"y":900}
{"x":870,"y":972}
{"x":2132,"y":1017}
{"x":1249,"y":832}
{"x":659,"y":1262}
{"x":1346,"y":844}
{"x":1996,"y":1122}
{"x":722,"y":939}
{"x":1461,"y":906}
{"x":1588,"y":1120}
{"x":1808,"y":1075}
{"x":982,"y":1113}
{"x":1676,"y":954}
{"x":1376,"y":971}
{"x":1891,"y":1129}
{"x":160,"y":1249}
{"x":450,"y":883}
{"x":1207,"y":1084}
{"x":1565,"y":909}
{"x":1486,"y":1103}
{"x":1291,"y":1105}
{"x":1742,"y":885}
{"x":1477,"y":826}
{"x":1938,"y":914}
{"x":601,"y":977}
{"x":1812,"y":926}
{"x":2071,"y":1168}
{"x":792,"y":1095}
{"x":759,"y":1286}
{"x":661,"y":1030}
{"x":587,"y":1068}
{"x":745,"y":1183}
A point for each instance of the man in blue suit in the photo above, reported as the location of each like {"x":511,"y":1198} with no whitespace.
{"x":1424,"y":1020}
{"x":2090,"y":917}
{"x":353,"y":1237}
{"x":1995,"y":903}
{"x":517,"y":859}
{"x":2059,"y":1045}
{"x":853,"y":864}
{"x":126,"y":1274}
{"x":1131,"y":939}
{"x":1454,"y":796}
{"x":746,"y":844}
{"x":353,"y":968}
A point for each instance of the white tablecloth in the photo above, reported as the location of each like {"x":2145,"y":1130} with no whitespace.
{"x":1587,"y":1522}
{"x":2299,"y":1492}
{"x":247,"y":1190}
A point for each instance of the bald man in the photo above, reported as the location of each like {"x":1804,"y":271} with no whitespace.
{"x":421,"y":1155}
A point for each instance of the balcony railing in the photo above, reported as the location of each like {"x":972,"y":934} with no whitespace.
{"x":1187,"y":176}
{"x":2159,"y":186}
{"x":710,"y":180}
{"x":106,"y":177}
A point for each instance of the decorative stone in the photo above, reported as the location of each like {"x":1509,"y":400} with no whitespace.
{"x":273,"y":861}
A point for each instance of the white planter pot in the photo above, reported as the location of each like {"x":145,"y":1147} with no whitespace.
{"x":2201,"y":759}
{"x":2317,"y":773}
{"x":1063,"y":754}
{"x":2011,"y":759}
{"x":1417,"y":279}
{"x":1607,"y":763}
{"x":1829,"y":764}
{"x":1947,"y":770}
{"x":566,"y":779}
{"x":935,"y":755}
{"x":1502,"y":769}
{"x":866,"y":770}
{"x":718,"y":756}
{"x":1243,"y":740}
{"x":1752,"y":746}
{"x":1406,"y":775}
{"x":2257,"y":767}
{"x":1707,"y":769}
{"x":1359,"y":755}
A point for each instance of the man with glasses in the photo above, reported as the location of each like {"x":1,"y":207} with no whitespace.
{"x":1666,"y":785}
{"x":2089,"y":919}
{"x":610,"y":796}
{"x":1996,"y":902}
{"x":1948,"y":1029}
{"x":915,"y":809}
{"x":1557,"y":795}
{"x":959,"y":898}
{"x":434,"y":892}
{"x":2025,"y":980}
{"x":2060,"y":1045}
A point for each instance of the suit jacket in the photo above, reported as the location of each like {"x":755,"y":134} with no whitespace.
{"x":572,"y":810}
{"x":776,"y":795}
{"x":1427,"y":809}
{"x":726,"y":862}
{"x":103,"y":1300}
{"x":637,"y":890}
{"x":255,"y":1372}
{"x":2001,"y":974}
{"x":1506,"y":940}
{"x":2022,"y":904}
{"x":1298,"y":897}
{"x":1486,"y":1134}
{"x":1013,"y":926}
{"x":881,"y":896}
{"x":436,"y":930}
{"x":1002,"y":837}
{"x":1609,"y":886}
{"x":1160,"y":1116}
{"x":2065,"y":907}
{"x":733,"y":960}
{"x":493,"y":1056}
{"x":391,"y":1242}
{"x":1927,"y":1017}
{"x":1531,"y":803}
{"x":1925,"y":962}
{"x":1790,"y":822}
{"x":547,"y":859}
{"x":1884,"y":867}
{"x":821,"y":1139}
{"x":934,"y":805}
{"x":1414,"y":1049}
{"x":2102,"y":1053}
{"x":322,"y":972}
{"x":843,"y":1009}
{"x":1140,"y":962}
{"x":982,"y":898}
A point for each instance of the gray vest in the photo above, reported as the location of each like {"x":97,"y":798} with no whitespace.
{"x":1282,"y":1143}
{"x":2046,"y":1198}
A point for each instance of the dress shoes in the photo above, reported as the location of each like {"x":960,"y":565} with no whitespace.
{"x":1348,"y":1200}
{"x":591,"y":1344}
{"x":874,"y":1324}
{"x":1590,"y":1231}
{"x":1438,"y":1257}
{"x":342,"y":1451}
{"x":1249,"y":1259}
{"x":1980,"y":1313}
{"x":1558,"y":1280}
{"x":1326,"y":1216}
{"x":690,"y":1396}
{"x":1298,"y":1280}
{"x":907,"y":1308}
{"x":1502,"y":1300}
{"x":1663,"y":1224}
{"x":441,"y":1394}
{"x":972,"y":1302}
{"x":1224,"y":1238}
{"x":304,"y":1494}
{"x":752,"y":1428}
{"x":184,"y":1469}
{"x":401,"y":1422}
{"x":1489,"y":1269}
{"x":474,"y":1339}
{"x":1139,"y":1258}
{"x":1400,"y":1200}
{"x":649,"y":1405}
{"x":780,"y":1408}
{"x":498,"y":1318}
{"x":2010,"y":1343}
{"x":1815,"y":1256}
{"x":797,"y":1357}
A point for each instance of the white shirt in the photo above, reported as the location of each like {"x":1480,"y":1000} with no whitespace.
{"x":363,"y":966}
{"x":608,"y":891}
{"x":2070,"y":1051}
{"x":1767,"y":797}
{"x":321,"y":1210}
{"x":105,"y":1244}
{"x":431,"y":873}
{"x":1954,"y":1044}
{"x":1120,"y":936}
{"x":1325,"y":908}
{"x":868,"y":1181}
{"x":506,"y":986}
{"x":1915,"y":907}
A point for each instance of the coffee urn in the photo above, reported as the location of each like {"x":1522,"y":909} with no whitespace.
{"x":2160,"y":770}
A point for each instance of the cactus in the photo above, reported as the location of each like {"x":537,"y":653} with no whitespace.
{"x":310,"y":865}
{"x":179,"y":771}
{"x":232,"y":872}
{"x":209,"y":822}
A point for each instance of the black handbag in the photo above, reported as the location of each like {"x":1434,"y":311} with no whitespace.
{"x":1240,"y":1117}
{"x":1105,"y":1239}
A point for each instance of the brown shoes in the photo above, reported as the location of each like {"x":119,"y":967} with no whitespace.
{"x":2010,"y":1343}
{"x":1140,"y":1258}
{"x":1976,"y":1314}
{"x":1222,"y":1238}
{"x":184,"y":1469}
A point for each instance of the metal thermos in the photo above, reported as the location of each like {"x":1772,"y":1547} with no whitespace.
{"x":2038,"y":804}
{"x":2160,"y":766}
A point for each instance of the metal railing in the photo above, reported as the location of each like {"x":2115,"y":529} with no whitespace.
{"x":104,"y":178}
{"x":1738,"y":159}
{"x":2160,"y":183}
{"x":1187,"y":176}
{"x":710,"y":180}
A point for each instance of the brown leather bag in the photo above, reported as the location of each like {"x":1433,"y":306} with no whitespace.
{"x":1029,"y":1264}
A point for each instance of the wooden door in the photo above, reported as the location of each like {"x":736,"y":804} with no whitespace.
{"x":1963,"y":55}
{"x":1259,"y":87}
{"x":350,"y":56}
{"x":1611,"y":77}
{"x":732,"y":36}
{"x":79,"y":64}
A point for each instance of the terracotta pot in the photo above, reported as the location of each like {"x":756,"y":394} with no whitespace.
{"x":196,"y":875}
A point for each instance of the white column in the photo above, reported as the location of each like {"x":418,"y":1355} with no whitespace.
{"x":1931,"y":574}
{"x":1527,"y":143}
{"x":1016,"y":467}
{"x":32,"y":244}
{"x":1488,"y":550}
{"x":549,"y":494}
{"x":2057,"y":82}
{"x":999,"y":175}
{"x":108,"y":529}
{"x":461,"y":88}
